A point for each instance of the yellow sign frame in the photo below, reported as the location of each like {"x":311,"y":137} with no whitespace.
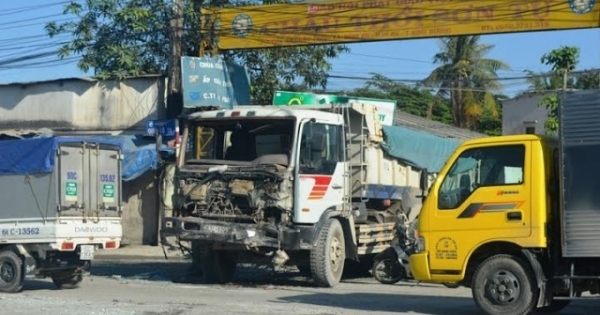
{"x":347,"y":21}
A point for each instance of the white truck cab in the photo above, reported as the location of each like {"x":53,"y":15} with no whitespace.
{"x":284,"y":185}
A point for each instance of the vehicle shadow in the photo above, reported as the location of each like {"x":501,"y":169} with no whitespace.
{"x":410,"y":303}
{"x":178,"y":271}
{"x":39,"y":285}
{"x":397,"y":303}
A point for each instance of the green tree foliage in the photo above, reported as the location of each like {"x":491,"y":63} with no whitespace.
{"x":422,"y":102}
{"x":412,"y":100}
{"x":466,"y":78}
{"x":561,"y":60}
{"x":123,"y":38}
{"x":587,"y":79}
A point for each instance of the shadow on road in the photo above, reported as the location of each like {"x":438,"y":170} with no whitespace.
{"x":407,"y":303}
{"x":178,"y":272}
{"x":39,"y":285}
{"x":375,"y":302}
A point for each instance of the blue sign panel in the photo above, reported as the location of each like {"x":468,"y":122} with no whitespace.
{"x":213,"y":82}
{"x":164,"y":127}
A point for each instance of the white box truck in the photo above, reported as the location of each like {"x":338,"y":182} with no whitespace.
{"x":60,"y":200}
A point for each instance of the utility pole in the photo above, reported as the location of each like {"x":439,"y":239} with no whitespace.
{"x":174,"y":94}
{"x":565,"y":76}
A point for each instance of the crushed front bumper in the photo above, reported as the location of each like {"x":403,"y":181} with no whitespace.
{"x":247,"y":234}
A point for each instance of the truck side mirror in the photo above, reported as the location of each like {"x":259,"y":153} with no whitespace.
{"x":424,"y":180}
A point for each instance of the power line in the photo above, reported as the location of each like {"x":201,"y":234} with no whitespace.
{"x":543,"y":75}
{"x":6,"y":12}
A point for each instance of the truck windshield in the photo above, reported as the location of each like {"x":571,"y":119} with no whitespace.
{"x":243,"y":139}
{"x":488,"y":166}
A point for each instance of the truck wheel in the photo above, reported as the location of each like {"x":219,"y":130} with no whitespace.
{"x":217,"y":266}
{"x":11,"y":272}
{"x":196,"y":253}
{"x":503,"y":284}
{"x":67,"y":282}
{"x":327,"y":258}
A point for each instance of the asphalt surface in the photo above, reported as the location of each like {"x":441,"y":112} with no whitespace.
{"x":152,"y":285}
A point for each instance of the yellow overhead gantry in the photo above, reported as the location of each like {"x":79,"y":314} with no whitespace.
{"x":351,"y":21}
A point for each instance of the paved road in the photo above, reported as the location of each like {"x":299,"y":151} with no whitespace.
{"x":144,"y":288}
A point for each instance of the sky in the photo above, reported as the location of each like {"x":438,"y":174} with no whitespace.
{"x":22,"y":32}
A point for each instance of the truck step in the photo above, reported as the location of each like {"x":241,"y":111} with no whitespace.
{"x":363,"y":250}
{"x":375,"y":238}
{"x":375,"y":227}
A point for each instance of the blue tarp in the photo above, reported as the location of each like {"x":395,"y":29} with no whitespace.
{"x":418,"y":149}
{"x":37,"y":155}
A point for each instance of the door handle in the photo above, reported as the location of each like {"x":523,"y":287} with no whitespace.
{"x":514,"y":216}
{"x":336,"y":187}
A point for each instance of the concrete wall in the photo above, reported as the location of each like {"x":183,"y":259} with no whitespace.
{"x":519,"y":113}
{"x":81,"y":104}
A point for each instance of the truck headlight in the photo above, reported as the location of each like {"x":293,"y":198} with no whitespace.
{"x":420,"y":244}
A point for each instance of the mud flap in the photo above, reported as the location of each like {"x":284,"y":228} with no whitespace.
{"x":29,"y":267}
{"x":545,"y":298}
{"x":29,"y":263}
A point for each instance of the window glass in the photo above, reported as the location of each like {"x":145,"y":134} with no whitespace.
{"x":240,"y":139}
{"x":474,"y":168}
{"x":320,"y":148}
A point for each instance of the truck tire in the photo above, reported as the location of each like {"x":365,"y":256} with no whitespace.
{"x":503,"y":284}
{"x":328,"y":256}
{"x":218,"y":267}
{"x":196,"y":253}
{"x":67,"y":282}
{"x":11,"y":272}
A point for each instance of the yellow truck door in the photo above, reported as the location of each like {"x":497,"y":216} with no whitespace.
{"x":483,"y":196}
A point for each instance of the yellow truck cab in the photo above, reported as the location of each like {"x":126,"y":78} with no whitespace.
{"x":485,"y":217}
{"x":517,"y":218}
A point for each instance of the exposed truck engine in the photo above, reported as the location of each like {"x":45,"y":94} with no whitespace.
{"x":308,"y":186}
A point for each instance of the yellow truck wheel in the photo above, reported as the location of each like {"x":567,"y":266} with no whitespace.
{"x":504,"y":284}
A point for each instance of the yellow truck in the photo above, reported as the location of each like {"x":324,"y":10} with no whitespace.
{"x":517,"y":218}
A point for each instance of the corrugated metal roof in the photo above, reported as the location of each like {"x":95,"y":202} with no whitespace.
{"x":434,"y":127}
{"x":86,"y":79}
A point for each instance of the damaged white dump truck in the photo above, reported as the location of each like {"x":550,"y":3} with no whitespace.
{"x":303,"y":185}
{"x":60,"y":201}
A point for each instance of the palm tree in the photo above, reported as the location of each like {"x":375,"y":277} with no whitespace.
{"x":467,"y":78}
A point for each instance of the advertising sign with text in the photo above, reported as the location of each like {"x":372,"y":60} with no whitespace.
{"x":385,"y":108}
{"x":213,"y":82}
{"x":346,"y":21}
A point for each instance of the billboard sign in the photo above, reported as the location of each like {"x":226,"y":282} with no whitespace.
{"x":347,"y":21}
{"x":210,"y":81}
{"x":385,"y":108}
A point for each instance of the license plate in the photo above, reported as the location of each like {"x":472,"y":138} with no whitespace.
{"x":216,"y":229}
{"x":86,"y":252}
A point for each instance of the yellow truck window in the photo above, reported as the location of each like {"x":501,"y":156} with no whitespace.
{"x":480,"y":167}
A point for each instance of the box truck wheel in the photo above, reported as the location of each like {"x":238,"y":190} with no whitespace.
{"x":328,"y":256}
{"x":503,"y":284}
{"x":11,"y":272}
